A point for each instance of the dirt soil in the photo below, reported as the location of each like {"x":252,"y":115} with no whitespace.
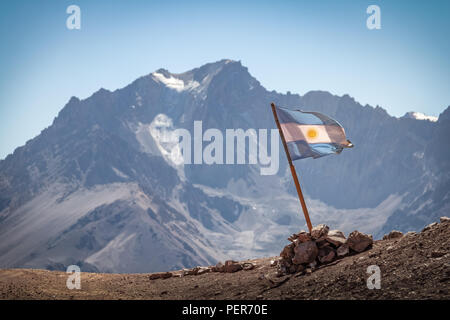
{"x":416,"y":266}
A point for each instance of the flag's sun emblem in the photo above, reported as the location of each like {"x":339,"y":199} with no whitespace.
{"x":312,"y":133}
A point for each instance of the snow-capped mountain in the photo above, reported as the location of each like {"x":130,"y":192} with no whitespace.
{"x":100,"y":187}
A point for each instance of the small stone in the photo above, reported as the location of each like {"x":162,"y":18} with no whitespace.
{"x":218,"y":267}
{"x":322,"y":244}
{"x":232,"y":266}
{"x":394,"y":234}
{"x":328,"y":258}
{"x":160,"y":275}
{"x":284,"y":266}
{"x":203,"y":270}
{"x":437,"y":254}
{"x":319,"y":231}
{"x":428,"y":227}
{"x":444,"y":219}
{"x":193,"y":271}
{"x":293,"y":268}
{"x":273,"y":263}
{"x":299,"y":268}
{"x":336,"y":233}
{"x":305,"y":252}
{"x":343,"y":250}
{"x":166,"y":275}
{"x":248,"y":266}
{"x":336,"y":241}
{"x":303,"y":236}
{"x":288,"y":251}
{"x":359,"y":241}
{"x":185,"y":272}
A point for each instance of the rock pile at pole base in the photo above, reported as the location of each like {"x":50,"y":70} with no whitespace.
{"x":307,"y":251}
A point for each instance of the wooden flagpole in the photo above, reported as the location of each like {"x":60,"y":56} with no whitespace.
{"x":294,"y":173}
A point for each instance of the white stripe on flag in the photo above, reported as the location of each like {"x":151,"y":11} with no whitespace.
{"x":307,"y":132}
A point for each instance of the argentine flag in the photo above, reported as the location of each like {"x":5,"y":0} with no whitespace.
{"x":311,"y":134}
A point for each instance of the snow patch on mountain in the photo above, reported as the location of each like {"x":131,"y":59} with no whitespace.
{"x":120,"y":173}
{"x":163,"y":133}
{"x":174,"y":83}
{"x":420,"y":116}
{"x":159,"y":138}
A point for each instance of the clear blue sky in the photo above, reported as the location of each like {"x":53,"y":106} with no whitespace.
{"x":287,"y":45}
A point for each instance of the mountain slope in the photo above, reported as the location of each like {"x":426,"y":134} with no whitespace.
{"x":100,"y":187}
{"x":416,"y":266}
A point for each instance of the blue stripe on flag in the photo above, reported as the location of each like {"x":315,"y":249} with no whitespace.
{"x":287,"y":116}
{"x":325,"y":149}
{"x":301,"y":149}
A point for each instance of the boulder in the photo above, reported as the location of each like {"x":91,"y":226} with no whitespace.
{"x":359,"y":241}
{"x":343,"y":250}
{"x":394,"y":234}
{"x":319,"y":231}
{"x":305,"y":252}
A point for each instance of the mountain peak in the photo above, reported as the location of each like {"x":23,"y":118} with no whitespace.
{"x":164,"y":72}
{"x":197,"y":80}
{"x":445,"y":115}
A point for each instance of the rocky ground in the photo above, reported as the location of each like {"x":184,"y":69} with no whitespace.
{"x":413,"y":266}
